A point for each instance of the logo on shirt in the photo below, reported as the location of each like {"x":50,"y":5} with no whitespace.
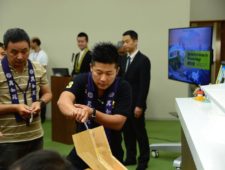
{"x":90,"y":95}
{"x":70,"y":84}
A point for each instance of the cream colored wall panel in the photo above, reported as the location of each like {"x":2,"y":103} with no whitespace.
{"x":57,"y":23}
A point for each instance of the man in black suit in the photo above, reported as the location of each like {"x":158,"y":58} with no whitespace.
{"x":136,"y":70}
{"x":83,"y":58}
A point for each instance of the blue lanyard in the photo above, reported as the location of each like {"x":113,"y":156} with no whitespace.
{"x":12,"y":85}
{"x":109,"y":99}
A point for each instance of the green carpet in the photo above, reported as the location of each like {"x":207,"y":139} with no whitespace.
{"x":158,"y":132}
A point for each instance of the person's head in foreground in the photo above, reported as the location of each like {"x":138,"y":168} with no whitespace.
{"x":42,"y":160}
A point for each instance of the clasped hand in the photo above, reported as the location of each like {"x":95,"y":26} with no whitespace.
{"x":25,"y":111}
{"x":80,"y":113}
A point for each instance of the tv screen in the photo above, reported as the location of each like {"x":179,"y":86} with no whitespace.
{"x":190,"y":55}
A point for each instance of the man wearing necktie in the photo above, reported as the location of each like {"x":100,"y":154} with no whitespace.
{"x":136,"y":70}
{"x":128,"y":63}
{"x":83,"y":58}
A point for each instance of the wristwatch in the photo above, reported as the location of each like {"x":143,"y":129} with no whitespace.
{"x":93,"y":115}
{"x":42,"y":103}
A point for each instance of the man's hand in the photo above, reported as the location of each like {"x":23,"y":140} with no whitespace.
{"x":81,"y":113}
{"x":138,"y":112}
{"x":24,"y":110}
{"x":85,"y":113}
{"x":36,"y":107}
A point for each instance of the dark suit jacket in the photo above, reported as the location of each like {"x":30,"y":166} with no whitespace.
{"x":85,"y":65}
{"x":138,"y":75}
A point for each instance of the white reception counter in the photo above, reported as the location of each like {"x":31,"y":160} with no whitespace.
{"x":203,"y":124}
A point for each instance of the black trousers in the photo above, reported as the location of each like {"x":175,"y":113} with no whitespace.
{"x":11,"y":152}
{"x":134,"y":132}
{"x":76,"y":161}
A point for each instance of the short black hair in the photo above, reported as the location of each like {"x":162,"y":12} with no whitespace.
{"x":36,"y":40}
{"x":105,"y":52}
{"x":83,"y":34}
{"x":42,"y":159}
{"x":132,"y":34}
{"x":1,"y":45}
{"x":15,"y":35}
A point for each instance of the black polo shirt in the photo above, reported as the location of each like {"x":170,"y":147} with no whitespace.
{"x":122,"y":103}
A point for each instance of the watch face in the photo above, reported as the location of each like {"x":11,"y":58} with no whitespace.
{"x":42,"y":103}
{"x":93,"y":113}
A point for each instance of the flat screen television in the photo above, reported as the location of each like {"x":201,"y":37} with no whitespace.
{"x":190,"y":55}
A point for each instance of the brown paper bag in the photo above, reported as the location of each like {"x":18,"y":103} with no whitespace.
{"x":93,"y":148}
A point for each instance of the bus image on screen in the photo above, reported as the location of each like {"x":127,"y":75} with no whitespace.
{"x":190,"y":55}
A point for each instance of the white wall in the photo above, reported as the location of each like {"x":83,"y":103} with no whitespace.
{"x":207,"y":10}
{"x":57,"y":23}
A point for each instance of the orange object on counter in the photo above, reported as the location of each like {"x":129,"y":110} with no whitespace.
{"x":200,"y":95}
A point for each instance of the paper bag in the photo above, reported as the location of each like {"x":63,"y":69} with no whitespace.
{"x":93,"y":148}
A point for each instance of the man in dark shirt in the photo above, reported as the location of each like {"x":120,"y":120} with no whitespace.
{"x":83,"y":58}
{"x":101,"y":99}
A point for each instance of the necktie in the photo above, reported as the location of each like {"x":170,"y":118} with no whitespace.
{"x":128,"y":63}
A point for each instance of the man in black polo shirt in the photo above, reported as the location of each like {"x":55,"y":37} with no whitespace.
{"x":101,"y":99}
